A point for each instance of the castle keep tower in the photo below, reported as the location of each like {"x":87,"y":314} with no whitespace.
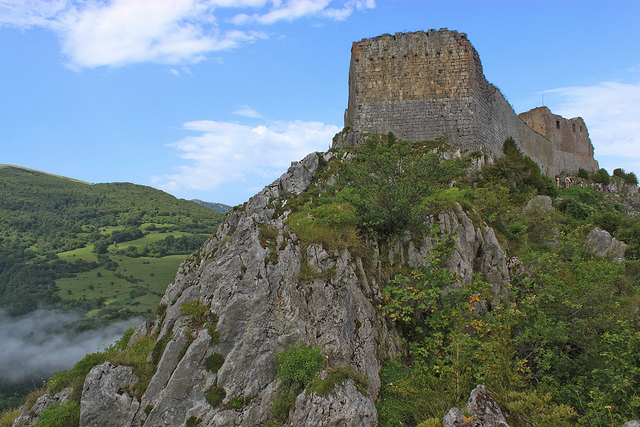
{"x":423,"y":85}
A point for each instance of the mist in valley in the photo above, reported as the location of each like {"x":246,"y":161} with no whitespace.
{"x":34,"y":346}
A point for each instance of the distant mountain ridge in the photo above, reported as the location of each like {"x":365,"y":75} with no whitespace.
{"x":215,"y":206}
{"x":72,"y":243}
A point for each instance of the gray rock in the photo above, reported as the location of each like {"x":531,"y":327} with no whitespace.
{"x":484,"y":408}
{"x":344,"y":406}
{"x":182,"y":395}
{"x":105,"y":399}
{"x":634,"y":423}
{"x":600,"y":243}
{"x":453,"y":418}
{"x":539,"y":203}
{"x":484,"y":411}
{"x":249,"y":275}
{"x":31,"y":416}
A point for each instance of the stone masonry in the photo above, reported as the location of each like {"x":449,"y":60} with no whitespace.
{"x":424,"y":85}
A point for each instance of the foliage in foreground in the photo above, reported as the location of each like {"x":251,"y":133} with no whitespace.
{"x":561,"y":350}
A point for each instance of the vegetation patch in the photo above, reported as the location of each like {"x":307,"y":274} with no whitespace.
{"x":52,"y":230}
{"x":238,"y":402}
{"x":193,"y":421}
{"x":214,"y":362}
{"x":57,"y":415}
{"x":200,"y":313}
{"x":158,"y":348}
{"x":215,"y":395}
{"x":337,"y":375}
{"x":297,"y":366}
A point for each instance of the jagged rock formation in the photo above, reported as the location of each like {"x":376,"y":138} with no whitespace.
{"x":249,"y":275}
{"x":484,"y":411}
{"x":336,"y":410}
{"x":424,"y":85}
{"x":30,"y":417}
{"x":105,"y":396}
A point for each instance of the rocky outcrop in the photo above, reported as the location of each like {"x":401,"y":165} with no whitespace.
{"x":540,"y":204}
{"x":484,"y":411}
{"x":106,"y":399}
{"x":30,"y":417}
{"x":268,"y":290}
{"x":336,"y":409}
{"x":600,"y":243}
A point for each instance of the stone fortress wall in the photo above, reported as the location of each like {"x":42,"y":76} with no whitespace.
{"x":423,"y":85}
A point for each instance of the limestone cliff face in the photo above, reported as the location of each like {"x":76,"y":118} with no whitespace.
{"x":249,"y":275}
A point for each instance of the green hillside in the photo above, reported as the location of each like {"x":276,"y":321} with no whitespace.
{"x":110,"y":249}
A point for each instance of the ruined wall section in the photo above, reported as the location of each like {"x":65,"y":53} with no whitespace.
{"x":495,"y":121}
{"x":569,"y":137}
{"x":423,"y":85}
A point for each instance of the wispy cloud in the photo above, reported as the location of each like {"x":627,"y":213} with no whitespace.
{"x":296,"y":9}
{"x":118,"y":32}
{"x":612,"y":113}
{"x":229,"y":152}
{"x":247,"y":111}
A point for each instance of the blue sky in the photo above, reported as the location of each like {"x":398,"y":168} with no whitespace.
{"x":213,"y":99}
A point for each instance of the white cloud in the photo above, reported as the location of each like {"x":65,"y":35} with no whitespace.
{"x":229,"y":152}
{"x":295,"y":9}
{"x":611,"y":112}
{"x":247,"y":111}
{"x":29,"y":13}
{"x":97,"y":33}
{"x":174,"y":72}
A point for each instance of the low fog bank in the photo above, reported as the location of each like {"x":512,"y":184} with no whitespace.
{"x":34,"y":346}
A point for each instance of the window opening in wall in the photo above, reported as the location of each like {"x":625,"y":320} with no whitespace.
{"x":557,"y":124}
{"x":574,"y":127}
{"x":580,"y":128}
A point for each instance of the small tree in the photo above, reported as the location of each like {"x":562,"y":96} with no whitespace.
{"x":391,"y":181}
{"x":619,"y":172}
{"x":631,"y":179}
{"x":582,"y":173}
{"x":601,"y":177}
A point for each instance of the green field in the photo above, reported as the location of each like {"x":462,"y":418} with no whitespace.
{"x":136,"y":283}
{"x":107,"y":249}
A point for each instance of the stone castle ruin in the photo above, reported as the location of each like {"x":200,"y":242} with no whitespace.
{"x":424,"y":85}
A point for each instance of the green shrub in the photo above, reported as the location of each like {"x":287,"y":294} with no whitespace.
{"x":619,"y":173}
{"x":214,"y":362}
{"x":601,"y":177}
{"x":298,"y":364}
{"x":236,"y":402}
{"x":283,"y":403}
{"x":336,"y":376}
{"x":193,"y":421}
{"x":582,"y":173}
{"x":537,"y":409}
{"x":392,"y":181}
{"x":158,"y":348}
{"x":57,"y":415}
{"x":215,"y":395}
{"x":197,"y":310}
